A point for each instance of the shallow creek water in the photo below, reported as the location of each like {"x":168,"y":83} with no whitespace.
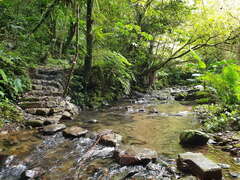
{"x":152,"y":124}
{"x":155,"y":126}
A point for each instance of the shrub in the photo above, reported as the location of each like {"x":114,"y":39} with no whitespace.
{"x":13,"y":75}
{"x":226,"y":83}
{"x":110,"y":79}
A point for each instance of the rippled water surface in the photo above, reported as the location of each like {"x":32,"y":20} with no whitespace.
{"x":152,"y":124}
{"x":140,"y":126}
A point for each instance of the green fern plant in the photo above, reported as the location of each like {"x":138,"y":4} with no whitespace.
{"x":226,"y":83}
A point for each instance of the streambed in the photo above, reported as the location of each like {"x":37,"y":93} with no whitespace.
{"x":149,"y":122}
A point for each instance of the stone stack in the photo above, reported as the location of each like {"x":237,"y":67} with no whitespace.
{"x":45,"y":104}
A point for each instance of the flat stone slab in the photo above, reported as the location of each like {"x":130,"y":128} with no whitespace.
{"x":129,"y":155}
{"x":198,"y":165}
{"x":74,"y":132}
{"x":53,"y":128}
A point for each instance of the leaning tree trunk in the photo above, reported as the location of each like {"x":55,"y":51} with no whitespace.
{"x":89,"y":41}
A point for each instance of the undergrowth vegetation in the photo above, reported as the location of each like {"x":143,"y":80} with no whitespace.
{"x":122,"y":46}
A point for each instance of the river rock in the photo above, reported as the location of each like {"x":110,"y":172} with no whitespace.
{"x":129,"y":155}
{"x":53,"y":128}
{"x":34,"y":123}
{"x":224,"y":166}
{"x":235,"y":175}
{"x":189,"y":178}
{"x":198,"y":165}
{"x":66,"y":115}
{"x":33,"y":173}
{"x":193,"y":138}
{"x":237,"y":160}
{"x":110,"y":139}
{"x":72,"y":108}
{"x":92,"y":121}
{"x":74,"y":132}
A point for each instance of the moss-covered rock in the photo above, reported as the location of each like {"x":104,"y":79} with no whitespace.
{"x":10,"y":113}
{"x":193,"y":138}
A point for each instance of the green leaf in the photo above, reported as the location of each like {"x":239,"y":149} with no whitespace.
{"x":2,"y":94}
{"x":4,"y":76}
{"x":201,"y":64}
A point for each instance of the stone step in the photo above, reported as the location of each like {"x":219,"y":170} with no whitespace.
{"x":47,"y":71}
{"x":48,"y":88}
{"x":40,"y":111}
{"x":45,"y":77}
{"x":40,"y":98}
{"x":52,"y":83}
{"x":44,"y":111}
{"x":44,"y":93}
{"x":198,"y":165}
{"x":38,"y":104}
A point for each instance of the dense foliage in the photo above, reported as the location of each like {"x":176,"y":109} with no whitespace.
{"x":120,"y":46}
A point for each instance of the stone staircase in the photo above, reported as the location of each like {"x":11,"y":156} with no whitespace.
{"x":45,"y":104}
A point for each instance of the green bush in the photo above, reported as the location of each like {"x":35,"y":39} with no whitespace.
{"x":219,"y":117}
{"x":226,"y":83}
{"x":111,"y":78}
{"x":13,"y":75}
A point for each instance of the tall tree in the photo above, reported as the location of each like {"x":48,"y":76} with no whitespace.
{"x":89,"y":40}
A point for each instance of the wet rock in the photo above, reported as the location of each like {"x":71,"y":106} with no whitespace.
{"x":235,"y":152}
{"x":129,"y":109}
{"x":66,"y":115}
{"x":154,"y":110}
{"x":237,"y":160}
{"x":224,"y":166}
{"x":235,"y":175}
{"x":13,"y":173}
{"x":3,"y":158}
{"x":141,"y":110}
{"x":39,"y":111}
{"x":93,"y":121}
{"x":110,"y":139}
{"x":34,"y":123}
{"x":53,"y":128}
{"x":198,"y":165}
{"x":193,"y":138}
{"x":72,"y":108}
{"x":33,"y":173}
{"x":74,"y":132}
{"x":129,"y":155}
{"x":52,"y":119}
{"x":189,"y":178}
{"x":105,"y":152}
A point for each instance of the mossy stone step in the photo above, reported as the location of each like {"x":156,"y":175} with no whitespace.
{"x":38,"y":104}
{"x":48,"y":83}
{"x":40,"y":111}
{"x":44,"y":93}
{"x":40,"y":98}
{"x":49,"y":71}
{"x":48,"y":88}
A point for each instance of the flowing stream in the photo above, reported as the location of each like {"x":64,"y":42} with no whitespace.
{"x":150,"y":122}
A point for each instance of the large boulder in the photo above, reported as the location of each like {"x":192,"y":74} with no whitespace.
{"x":193,"y":138}
{"x":198,"y":165}
{"x":129,"y":155}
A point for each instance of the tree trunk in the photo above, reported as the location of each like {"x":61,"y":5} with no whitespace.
{"x":71,"y":33}
{"x":89,"y":41}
